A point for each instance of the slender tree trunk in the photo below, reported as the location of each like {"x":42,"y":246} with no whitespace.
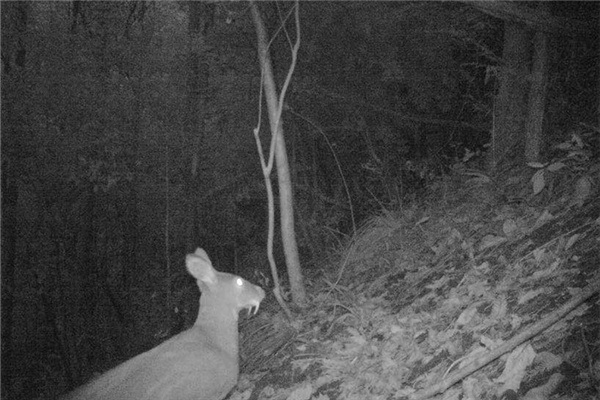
{"x":537,"y":98}
{"x":200,"y":18}
{"x":286,"y":198}
{"x":10,"y":232}
{"x":18,"y":13}
{"x":129,"y":211}
{"x":511,"y":102}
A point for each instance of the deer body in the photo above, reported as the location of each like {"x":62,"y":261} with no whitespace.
{"x":200,"y":363}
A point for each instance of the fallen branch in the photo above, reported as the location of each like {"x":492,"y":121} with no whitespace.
{"x":530,"y":332}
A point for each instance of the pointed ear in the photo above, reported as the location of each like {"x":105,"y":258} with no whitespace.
{"x":200,"y":267}
{"x":202,"y":254}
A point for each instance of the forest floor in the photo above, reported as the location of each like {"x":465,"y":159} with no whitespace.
{"x":484,"y":290}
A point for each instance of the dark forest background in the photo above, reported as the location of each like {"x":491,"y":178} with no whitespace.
{"x":127,"y":142}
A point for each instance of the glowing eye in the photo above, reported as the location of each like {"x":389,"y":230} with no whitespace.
{"x":239,"y":282}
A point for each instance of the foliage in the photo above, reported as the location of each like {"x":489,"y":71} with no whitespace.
{"x":573,"y":170}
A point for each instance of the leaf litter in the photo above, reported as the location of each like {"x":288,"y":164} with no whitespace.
{"x":410,"y":308}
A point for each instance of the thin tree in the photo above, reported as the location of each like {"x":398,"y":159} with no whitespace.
{"x":14,"y":18}
{"x":278,"y":152}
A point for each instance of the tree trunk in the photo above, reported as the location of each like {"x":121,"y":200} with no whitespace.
{"x":286,"y":198}
{"x":192,"y":130}
{"x":200,"y":16}
{"x":18,"y":13}
{"x":10,"y":194}
{"x":130,"y":215}
{"x":509,"y":113}
{"x":537,"y":98}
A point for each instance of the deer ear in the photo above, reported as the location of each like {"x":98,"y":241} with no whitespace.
{"x":200,"y":267}
{"x":202,"y":254}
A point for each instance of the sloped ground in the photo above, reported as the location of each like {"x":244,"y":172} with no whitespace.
{"x":476,"y":296}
